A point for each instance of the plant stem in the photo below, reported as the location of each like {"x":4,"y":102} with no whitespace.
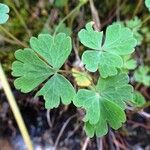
{"x":137,"y":7}
{"x":69,"y":15}
{"x":13,"y":37}
{"x":15,"y":109}
{"x":146,"y":19}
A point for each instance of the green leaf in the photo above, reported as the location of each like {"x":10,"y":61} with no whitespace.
{"x":146,"y":32}
{"x":111,"y":114}
{"x":34,"y":66}
{"x":106,"y":57}
{"x":135,"y":25}
{"x":90,"y":101}
{"x":52,"y":49}
{"x":141,"y":75}
{"x":138,"y":99}
{"x":128,"y":63}
{"x":116,"y":88}
{"x":106,"y":105}
{"x":30,"y":70}
{"x":91,"y":38}
{"x":147,"y":4}
{"x":119,"y":40}
{"x":60,"y":3}
{"x":56,"y":88}
{"x":4,"y":9}
{"x":64,"y":29}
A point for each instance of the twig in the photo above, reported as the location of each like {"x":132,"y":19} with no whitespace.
{"x":78,"y":62}
{"x":137,"y":7}
{"x":115,"y":140}
{"x":146,"y":19}
{"x":85,"y":143}
{"x":73,"y":132}
{"x":144,"y":114}
{"x":69,"y":15}
{"x":48,"y":118}
{"x":15,"y":109}
{"x":99,"y":142}
{"x":110,"y":141}
{"x":112,"y":14}
{"x":61,"y":131}
{"x":95,"y":16}
{"x":9,"y":40}
{"x":118,"y":10}
{"x":110,"y":17}
{"x":138,"y":124}
{"x":139,"y":109}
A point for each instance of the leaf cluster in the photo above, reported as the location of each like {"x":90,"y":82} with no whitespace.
{"x":142,"y":75}
{"x":104,"y":102}
{"x":42,"y":61}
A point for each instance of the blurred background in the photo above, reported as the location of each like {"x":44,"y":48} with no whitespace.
{"x":63,"y":127}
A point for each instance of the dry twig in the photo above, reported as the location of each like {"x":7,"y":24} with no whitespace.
{"x":95,"y":16}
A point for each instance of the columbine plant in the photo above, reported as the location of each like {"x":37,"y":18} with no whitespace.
{"x":104,"y":102}
{"x":108,"y":53}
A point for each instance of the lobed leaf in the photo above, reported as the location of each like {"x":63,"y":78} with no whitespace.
{"x":30,"y":70}
{"x":55,"y":50}
{"x":110,"y":114}
{"x":128,"y":63}
{"x":138,"y":99}
{"x":141,"y":75}
{"x":89,"y":100}
{"x":116,"y":89}
{"x":106,"y":57}
{"x":57,"y":88}
{"x":34,"y":66}
{"x":91,"y":38}
{"x":135,"y":26}
{"x":105,"y":106}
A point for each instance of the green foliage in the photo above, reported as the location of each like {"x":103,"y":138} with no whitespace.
{"x":30,"y":69}
{"x":43,"y":60}
{"x":106,"y":58}
{"x":60,"y":3}
{"x":64,"y":29}
{"x":138,"y":99}
{"x":4,"y":10}
{"x":147,"y":4}
{"x":104,"y":103}
{"x":83,"y":1}
{"x":128,"y":63}
{"x":52,"y":49}
{"x":141,"y":75}
{"x":108,"y":52}
{"x":105,"y":106}
{"x":146,"y":32}
{"x":57,"y":87}
{"x":135,"y":25}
